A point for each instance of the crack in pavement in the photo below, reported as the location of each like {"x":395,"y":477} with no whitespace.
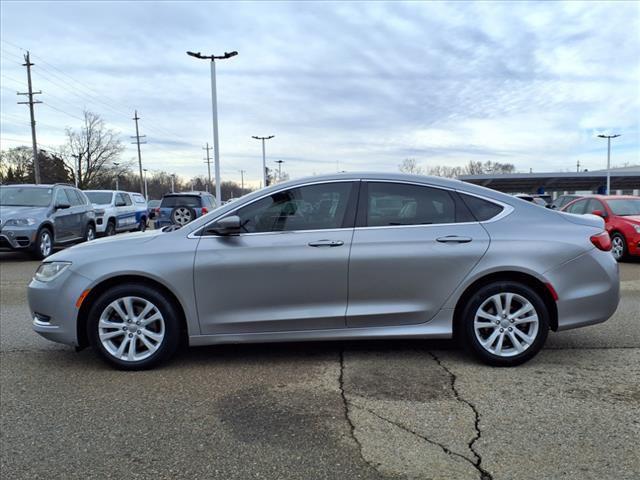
{"x":484,"y":475}
{"x":352,"y":427}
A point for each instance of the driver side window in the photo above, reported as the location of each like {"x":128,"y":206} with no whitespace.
{"x":61,"y":198}
{"x":314,"y":207}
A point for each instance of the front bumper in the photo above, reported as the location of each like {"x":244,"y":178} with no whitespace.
{"x":101,"y":225}
{"x":17,"y":238}
{"x":633,"y":244}
{"x":588,"y":289}
{"x":53,"y":306}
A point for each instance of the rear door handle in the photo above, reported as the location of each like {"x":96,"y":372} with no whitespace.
{"x":453,"y":239}
{"x":326,"y":243}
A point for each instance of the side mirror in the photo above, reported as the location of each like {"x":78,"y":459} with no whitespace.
{"x":62,"y":206}
{"x":226,"y":226}
{"x":599,"y":213}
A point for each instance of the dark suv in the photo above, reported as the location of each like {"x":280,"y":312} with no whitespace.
{"x":34,"y":218}
{"x":182,"y":208}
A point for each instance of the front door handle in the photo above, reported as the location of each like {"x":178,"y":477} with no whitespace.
{"x":326,"y":243}
{"x":453,"y":239}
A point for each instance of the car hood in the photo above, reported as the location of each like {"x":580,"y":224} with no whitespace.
{"x":104,"y":246}
{"x":630,"y":218}
{"x":9,"y":211}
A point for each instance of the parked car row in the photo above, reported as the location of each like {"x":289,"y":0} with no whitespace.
{"x":36,"y":218}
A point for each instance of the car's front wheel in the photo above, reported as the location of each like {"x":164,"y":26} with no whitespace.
{"x":90,"y":233}
{"x":505,"y":323}
{"x":43,"y":245}
{"x":134,"y":327}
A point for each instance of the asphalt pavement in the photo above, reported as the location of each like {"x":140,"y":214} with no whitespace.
{"x":347,"y":410}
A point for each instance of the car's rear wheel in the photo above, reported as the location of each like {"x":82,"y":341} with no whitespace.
{"x":111,"y":228}
{"x":134,"y":327}
{"x":90,"y":233}
{"x":182,"y":215}
{"x":505,"y":323}
{"x":43,"y":245}
{"x":618,"y":246}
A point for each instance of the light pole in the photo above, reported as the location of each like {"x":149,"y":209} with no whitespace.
{"x":279,"y":162}
{"x":146,"y":191}
{"x":609,"y":137}
{"x":173,"y":179}
{"x":117,"y":175}
{"x":264,"y":161}
{"x":242,"y":182}
{"x":214,"y":107}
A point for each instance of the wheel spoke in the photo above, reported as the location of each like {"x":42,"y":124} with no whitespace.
{"x":112,"y":334}
{"x":107,"y":324}
{"x":151,"y":319}
{"x":131,"y":354}
{"x":152,"y":335}
{"x":526,"y":338}
{"x":122,"y":347}
{"x":118,"y":309}
{"x":507,"y":303}
{"x":515,"y":342}
{"x":497,"y":302}
{"x":530,"y":319}
{"x":492,"y":338}
{"x":487,"y":316}
{"x":147,"y":308}
{"x":148,"y":344}
{"x":499,"y":345}
{"x":128,"y":305}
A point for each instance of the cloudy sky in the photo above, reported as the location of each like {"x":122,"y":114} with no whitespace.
{"x":349,"y":86}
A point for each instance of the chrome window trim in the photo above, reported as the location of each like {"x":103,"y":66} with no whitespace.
{"x":194,"y":234}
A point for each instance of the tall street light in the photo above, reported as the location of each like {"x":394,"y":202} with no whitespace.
{"x":214,"y":107}
{"x":609,"y":137}
{"x":279,"y":162}
{"x":264,"y":161}
{"x":116,"y":164}
{"x":146,"y":194}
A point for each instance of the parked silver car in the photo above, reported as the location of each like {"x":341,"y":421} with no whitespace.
{"x":34,"y":218}
{"x":336,"y":257}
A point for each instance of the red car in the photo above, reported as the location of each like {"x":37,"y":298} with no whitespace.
{"x":621,"y":215}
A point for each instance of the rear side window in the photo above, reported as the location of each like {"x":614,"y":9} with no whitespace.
{"x":138,"y":199}
{"x":74,"y":198}
{"x":394,"y":204}
{"x":577,"y":207}
{"x":171,"y":201}
{"x":127,"y":199}
{"x":481,"y":209}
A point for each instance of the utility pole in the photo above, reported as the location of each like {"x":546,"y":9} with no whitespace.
{"x":214,"y":108}
{"x":116,"y":164}
{"x":138,"y":142}
{"x":264,"y":161}
{"x":77,"y":168}
{"x":279,"y":162}
{"x":578,"y":166}
{"x":207,"y":160}
{"x":242,"y":181}
{"x":609,"y":137}
{"x":173,"y":179}
{"x":36,"y":166}
{"x":146,"y":195}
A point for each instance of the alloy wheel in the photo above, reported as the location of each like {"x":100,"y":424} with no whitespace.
{"x":131,"y":328}
{"x":91,"y":234}
{"x":506,"y":324}
{"x":617,"y":247}
{"x":45,"y":243}
{"x":182,"y":216}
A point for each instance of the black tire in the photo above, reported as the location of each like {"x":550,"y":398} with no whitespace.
{"x":472,"y":306}
{"x":170,"y":314}
{"x":111,"y":228}
{"x":182,"y":211}
{"x":90,"y":233}
{"x":143,"y":224}
{"x":621,"y":252}
{"x":37,"y":247}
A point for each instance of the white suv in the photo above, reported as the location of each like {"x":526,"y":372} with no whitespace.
{"x":115,"y":211}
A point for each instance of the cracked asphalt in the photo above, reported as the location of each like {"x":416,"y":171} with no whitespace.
{"x":350,"y":410}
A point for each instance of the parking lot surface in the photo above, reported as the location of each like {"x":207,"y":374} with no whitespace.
{"x":410,"y":409}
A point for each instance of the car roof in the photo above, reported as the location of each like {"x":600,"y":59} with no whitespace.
{"x":176,"y":194}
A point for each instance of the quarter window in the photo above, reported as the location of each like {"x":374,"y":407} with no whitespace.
{"x":404,"y":204}
{"x":313,"y":207}
{"x":481,"y":209}
{"x":577,"y":207}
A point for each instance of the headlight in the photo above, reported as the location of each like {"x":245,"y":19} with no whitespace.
{"x":50,"y":270}
{"x":636,"y":227}
{"x":20,"y":222}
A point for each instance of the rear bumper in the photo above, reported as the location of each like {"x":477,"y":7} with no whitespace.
{"x":588,"y":289}
{"x":633,"y":245}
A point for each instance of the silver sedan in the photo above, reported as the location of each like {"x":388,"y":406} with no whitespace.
{"x":337,"y":257}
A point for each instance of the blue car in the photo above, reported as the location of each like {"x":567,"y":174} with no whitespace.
{"x":182,"y":208}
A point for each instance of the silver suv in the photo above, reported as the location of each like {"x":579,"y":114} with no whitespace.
{"x":34,"y":218}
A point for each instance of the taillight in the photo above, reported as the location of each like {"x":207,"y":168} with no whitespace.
{"x":204,"y":210}
{"x":158,"y":211}
{"x":602,"y":241}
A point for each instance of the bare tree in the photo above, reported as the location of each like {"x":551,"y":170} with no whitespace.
{"x":91,"y":151}
{"x":445,"y":171}
{"x":409,"y":165}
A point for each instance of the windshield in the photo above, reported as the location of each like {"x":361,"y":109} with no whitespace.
{"x":625,"y":206}
{"x":99,"y":198}
{"x":154,"y":203}
{"x":181,"y":201}
{"x":25,"y":196}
